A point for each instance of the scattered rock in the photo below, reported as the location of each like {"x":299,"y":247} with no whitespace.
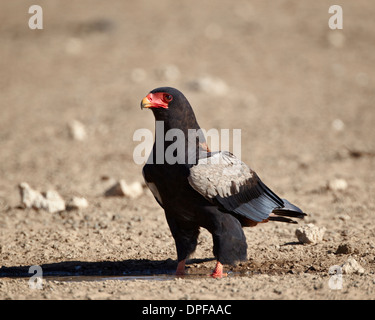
{"x":310,"y":233}
{"x":352,"y":266}
{"x":344,"y":248}
{"x":122,"y":189}
{"x":51,"y":201}
{"x":337,"y":185}
{"x":77,"y":130}
{"x":360,"y":153}
{"x":54,"y":202}
{"x":344,"y":217}
{"x":29,"y":197}
{"x":77,"y":203}
{"x":338,"y":125}
{"x":214,"y":86}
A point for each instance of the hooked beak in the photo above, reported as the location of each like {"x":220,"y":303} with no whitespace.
{"x":145,"y":103}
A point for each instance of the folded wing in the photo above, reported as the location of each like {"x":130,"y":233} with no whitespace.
{"x":225,"y":180}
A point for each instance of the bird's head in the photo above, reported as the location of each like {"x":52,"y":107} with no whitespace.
{"x":171,"y":106}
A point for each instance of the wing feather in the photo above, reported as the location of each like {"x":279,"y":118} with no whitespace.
{"x":224,"y":179}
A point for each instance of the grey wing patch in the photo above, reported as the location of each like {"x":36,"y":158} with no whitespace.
{"x":221,"y":174}
{"x":224,"y":179}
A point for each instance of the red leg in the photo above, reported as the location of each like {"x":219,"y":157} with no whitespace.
{"x":218,"y":271}
{"x":181,"y":268}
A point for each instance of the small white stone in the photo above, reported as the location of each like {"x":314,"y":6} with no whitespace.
{"x":337,"y":184}
{"x":51,"y":201}
{"x":54,"y":202}
{"x":338,"y":125}
{"x":344,"y":217}
{"x":77,"y":203}
{"x":121,"y":188}
{"x":31,"y":198}
{"x":77,"y":130}
{"x":352,"y":266}
{"x":310,"y":233}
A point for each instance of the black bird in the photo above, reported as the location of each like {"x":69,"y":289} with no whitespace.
{"x":199,"y":188}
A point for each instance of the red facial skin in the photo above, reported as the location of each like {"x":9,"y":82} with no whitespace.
{"x":157,"y":100}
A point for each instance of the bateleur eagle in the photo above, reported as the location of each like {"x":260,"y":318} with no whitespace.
{"x":213,"y":190}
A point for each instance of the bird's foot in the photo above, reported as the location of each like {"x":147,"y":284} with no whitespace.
{"x":218,"y":271}
{"x":181,"y":268}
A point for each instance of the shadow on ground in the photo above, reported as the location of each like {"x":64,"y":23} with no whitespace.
{"x":130,"y":267}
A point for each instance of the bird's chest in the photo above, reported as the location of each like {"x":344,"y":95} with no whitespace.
{"x":166,"y":182}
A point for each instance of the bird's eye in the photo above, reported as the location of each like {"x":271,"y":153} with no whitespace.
{"x":168,"y":97}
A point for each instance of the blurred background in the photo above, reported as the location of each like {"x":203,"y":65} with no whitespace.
{"x":302,"y":94}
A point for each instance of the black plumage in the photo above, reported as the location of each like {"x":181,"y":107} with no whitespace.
{"x":213,"y":190}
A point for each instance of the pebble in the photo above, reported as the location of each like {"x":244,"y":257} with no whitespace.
{"x":352,"y":266}
{"x":54,"y":202}
{"x":51,"y":201}
{"x":309,"y":233}
{"x":77,"y":203}
{"x":77,"y":130}
{"x":344,"y":217}
{"x":122,"y":189}
{"x":337,"y":185}
{"x":338,"y":125}
{"x":345,"y":248}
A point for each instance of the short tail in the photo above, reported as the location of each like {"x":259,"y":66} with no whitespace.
{"x":289,"y":210}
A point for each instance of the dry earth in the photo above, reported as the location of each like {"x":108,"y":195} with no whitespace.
{"x":302,"y":94}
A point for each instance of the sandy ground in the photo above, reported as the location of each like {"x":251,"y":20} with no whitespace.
{"x":302,"y":94}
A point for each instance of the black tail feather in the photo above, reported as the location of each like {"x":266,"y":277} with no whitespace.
{"x":289,"y":210}
{"x":289,"y":213}
{"x":282,"y":219}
